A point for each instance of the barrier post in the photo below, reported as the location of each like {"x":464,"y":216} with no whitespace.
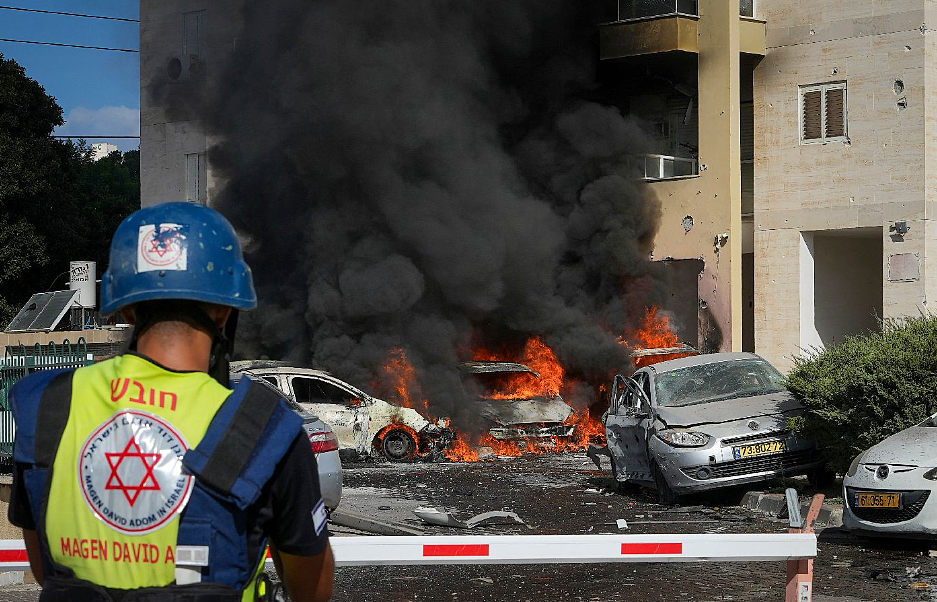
{"x":800,"y":571}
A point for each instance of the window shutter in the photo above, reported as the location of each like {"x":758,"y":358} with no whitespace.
{"x":835,"y":113}
{"x":813,"y":118}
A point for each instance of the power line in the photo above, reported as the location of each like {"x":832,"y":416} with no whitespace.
{"x":69,"y":45}
{"x":53,"y":12}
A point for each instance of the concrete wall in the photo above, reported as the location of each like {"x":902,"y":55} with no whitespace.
{"x":873,"y":179}
{"x":165,"y":138}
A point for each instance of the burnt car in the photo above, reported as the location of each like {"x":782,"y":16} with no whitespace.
{"x":508,"y":395}
{"x":699,"y":423}
{"x":364,"y":425}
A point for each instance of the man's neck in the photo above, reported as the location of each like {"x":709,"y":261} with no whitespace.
{"x":183,"y":353}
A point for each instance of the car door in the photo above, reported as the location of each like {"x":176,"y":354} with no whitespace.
{"x":340,"y":408}
{"x":626,"y":427}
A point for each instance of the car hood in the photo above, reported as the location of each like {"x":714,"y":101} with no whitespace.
{"x":524,"y":411}
{"x":731,"y":410}
{"x":916,"y":446}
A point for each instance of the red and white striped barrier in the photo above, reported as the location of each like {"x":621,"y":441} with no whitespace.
{"x":565,"y":549}
{"x":539,"y":549}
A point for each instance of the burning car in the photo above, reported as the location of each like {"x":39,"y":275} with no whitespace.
{"x":703,"y":422}
{"x":512,"y":398}
{"x":364,"y":425}
{"x":887,"y":487}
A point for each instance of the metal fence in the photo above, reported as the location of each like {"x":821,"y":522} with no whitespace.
{"x":20,"y":361}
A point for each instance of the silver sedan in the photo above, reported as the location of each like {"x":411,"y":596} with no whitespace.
{"x":697,"y":423}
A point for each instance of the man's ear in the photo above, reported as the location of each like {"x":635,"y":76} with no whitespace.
{"x":219,"y":314}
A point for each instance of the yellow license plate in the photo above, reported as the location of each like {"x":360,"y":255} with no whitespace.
{"x":759,"y":449}
{"x":878,"y":500}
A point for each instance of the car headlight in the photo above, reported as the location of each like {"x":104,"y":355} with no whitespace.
{"x":854,"y":466}
{"x":931,"y":475}
{"x":684,"y":438}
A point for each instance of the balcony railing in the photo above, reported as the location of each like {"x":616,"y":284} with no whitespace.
{"x":664,"y":167}
{"x":624,"y":10}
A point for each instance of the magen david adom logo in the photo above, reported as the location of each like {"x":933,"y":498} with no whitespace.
{"x":162,"y":247}
{"x":131,"y":475}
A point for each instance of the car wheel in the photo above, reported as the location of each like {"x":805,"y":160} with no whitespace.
{"x":398,"y":445}
{"x":665,"y":494}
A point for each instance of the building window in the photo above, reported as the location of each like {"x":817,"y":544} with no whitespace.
{"x":196,"y":178}
{"x":194,"y":39}
{"x":747,"y":8}
{"x":823,"y":113}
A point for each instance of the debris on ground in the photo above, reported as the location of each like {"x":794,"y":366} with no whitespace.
{"x":594,"y":451}
{"x":364,"y":523}
{"x":444,"y":518}
{"x":622,"y":523}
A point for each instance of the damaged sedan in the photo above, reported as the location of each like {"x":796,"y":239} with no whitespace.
{"x":364,"y":425}
{"x":699,"y":423}
{"x":510,"y":397}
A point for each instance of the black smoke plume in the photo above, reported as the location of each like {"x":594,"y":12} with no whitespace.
{"x":428,"y":175}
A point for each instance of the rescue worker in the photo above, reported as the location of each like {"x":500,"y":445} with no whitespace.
{"x":144,"y":477}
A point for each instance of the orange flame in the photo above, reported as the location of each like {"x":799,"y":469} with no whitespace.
{"x":523,"y":385}
{"x":656,"y":333}
{"x":401,"y":375}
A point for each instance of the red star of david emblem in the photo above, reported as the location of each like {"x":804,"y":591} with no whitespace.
{"x":130,"y":453}
{"x":160,"y":247}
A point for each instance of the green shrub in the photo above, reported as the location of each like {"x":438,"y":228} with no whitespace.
{"x":867,"y":388}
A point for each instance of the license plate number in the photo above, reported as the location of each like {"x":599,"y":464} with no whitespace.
{"x":759,"y":449}
{"x":878,"y":500}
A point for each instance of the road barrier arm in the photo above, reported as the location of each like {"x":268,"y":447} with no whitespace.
{"x":539,"y":549}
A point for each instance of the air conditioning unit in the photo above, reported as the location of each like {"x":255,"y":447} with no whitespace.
{"x":183,"y":67}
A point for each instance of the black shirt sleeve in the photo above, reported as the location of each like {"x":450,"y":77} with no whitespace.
{"x":296,"y":523}
{"x":20,"y":512}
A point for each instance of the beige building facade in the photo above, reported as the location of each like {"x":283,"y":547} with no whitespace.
{"x":845,"y":170}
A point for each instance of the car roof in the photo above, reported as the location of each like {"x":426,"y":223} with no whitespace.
{"x":281,"y":368}
{"x":699,"y":360}
{"x":487,"y":367}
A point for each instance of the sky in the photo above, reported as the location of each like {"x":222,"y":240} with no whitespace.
{"x":99,"y":91}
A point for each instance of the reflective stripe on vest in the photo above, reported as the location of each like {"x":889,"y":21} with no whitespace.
{"x":117,"y":485}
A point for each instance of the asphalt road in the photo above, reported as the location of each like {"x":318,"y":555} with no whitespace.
{"x":567,"y":495}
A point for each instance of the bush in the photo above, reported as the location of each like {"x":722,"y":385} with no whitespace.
{"x":867,"y":388}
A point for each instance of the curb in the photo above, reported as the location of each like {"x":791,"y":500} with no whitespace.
{"x":775,"y":505}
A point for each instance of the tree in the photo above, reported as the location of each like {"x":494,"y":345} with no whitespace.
{"x":56,"y":203}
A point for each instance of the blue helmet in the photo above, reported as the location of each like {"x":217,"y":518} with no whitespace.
{"x":176,"y":251}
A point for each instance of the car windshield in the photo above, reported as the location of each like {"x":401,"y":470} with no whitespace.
{"x":716,"y":382}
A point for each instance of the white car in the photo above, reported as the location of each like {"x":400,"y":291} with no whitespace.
{"x":888,"y":487}
{"x":324,"y":446}
{"x":364,"y":425}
